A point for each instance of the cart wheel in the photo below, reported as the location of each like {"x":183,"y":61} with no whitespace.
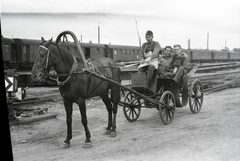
{"x":133,"y":110}
{"x":196,"y":96}
{"x":167,"y":113}
{"x":160,"y":92}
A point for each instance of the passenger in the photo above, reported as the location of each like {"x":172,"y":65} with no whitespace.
{"x":179,"y":64}
{"x":150,"y":53}
{"x":164,"y":62}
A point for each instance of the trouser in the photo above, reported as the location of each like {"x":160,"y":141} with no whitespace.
{"x":150,"y":72}
{"x":179,"y":75}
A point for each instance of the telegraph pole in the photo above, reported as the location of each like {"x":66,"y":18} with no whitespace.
{"x":99,"y":33}
{"x":207,"y":41}
{"x":189,"y":43}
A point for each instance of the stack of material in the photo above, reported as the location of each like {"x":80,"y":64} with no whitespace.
{"x":219,"y":81}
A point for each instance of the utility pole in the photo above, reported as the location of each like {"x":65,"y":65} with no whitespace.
{"x":207,"y":41}
{"x":81,"y":37}
{"x":99,"y":33}
{"x":189,"y":43}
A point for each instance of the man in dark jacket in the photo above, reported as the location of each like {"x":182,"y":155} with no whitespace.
{"x":149,"y":58}
{"x":179,"y":64}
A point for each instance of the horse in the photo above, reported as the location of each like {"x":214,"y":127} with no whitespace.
{"x":77,"y":86}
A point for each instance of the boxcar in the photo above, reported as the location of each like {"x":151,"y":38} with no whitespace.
{"x":220,"y":56}
{"x":201,"y":56}
{"x":234,"y":56}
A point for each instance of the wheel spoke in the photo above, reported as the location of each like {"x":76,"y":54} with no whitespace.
{"x":166,"y":115}
{"x":198,"y":102}
{"x":129,"y":114}
{"x":135,"y":112}
{"x":195,"y":105}
{"x":168,"y":111}
{"x":127,"y":110}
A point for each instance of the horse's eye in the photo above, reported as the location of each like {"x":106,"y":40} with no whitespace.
{"x":42,"y":54}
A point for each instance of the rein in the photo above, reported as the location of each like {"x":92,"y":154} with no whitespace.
{"x":74,"y":67}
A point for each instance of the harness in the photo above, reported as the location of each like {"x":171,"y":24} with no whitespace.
{"x":73,"y":68}
{"x":91,"y":87}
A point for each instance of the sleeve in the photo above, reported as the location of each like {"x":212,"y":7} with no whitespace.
{"x":185,"y":61}
{"x":156,"y":50}
{"x":142,"y":57}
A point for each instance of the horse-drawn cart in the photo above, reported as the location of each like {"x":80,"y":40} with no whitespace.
{"x":79,"y":79}
{"x":165,"y":97}
{"x":163,"y":94}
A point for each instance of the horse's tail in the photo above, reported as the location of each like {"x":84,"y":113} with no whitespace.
{"x":115,"y":90}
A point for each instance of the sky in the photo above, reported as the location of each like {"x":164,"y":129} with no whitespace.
{"x":172,"y":21}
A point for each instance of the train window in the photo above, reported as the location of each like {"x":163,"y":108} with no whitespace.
{"x":133,"y":52}
{"x":98,"y":51}
{"x":87,"y":53}
{"x":114,"y":51}
{"x":7,"y":48}
{"x":123,"y":51}
{"x":24,"y":49}
{"x":120,"y":51}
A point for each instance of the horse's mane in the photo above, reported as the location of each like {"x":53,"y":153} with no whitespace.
{"x":65,"y":54}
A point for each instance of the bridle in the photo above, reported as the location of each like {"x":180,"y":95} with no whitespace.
{"x":47,"y":59}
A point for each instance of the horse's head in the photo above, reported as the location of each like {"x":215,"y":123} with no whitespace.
{"x":43,"y":61}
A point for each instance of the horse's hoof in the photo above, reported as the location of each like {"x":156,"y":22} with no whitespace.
{"x":87,"y":145}
{"x":64,"y":145}
{"x":113,"y":134}
{"x":107,"y":132}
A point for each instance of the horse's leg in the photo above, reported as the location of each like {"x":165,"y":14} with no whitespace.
{"x":82,"y":107}
{"x":108,"y":104}
{"x":115,"y":97}
{"x":68,"y":108}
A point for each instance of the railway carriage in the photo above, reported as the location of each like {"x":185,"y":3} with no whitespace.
{"x":201,"y":56}
{"x":124,"y":53}
{"x":234,"y":56}
{"x":7,"y":50}
{"x":220,"y":56}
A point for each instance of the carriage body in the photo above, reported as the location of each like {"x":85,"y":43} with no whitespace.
{"x":167,"y":92}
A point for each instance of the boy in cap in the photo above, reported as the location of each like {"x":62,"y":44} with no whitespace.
{"x":150,"y":53}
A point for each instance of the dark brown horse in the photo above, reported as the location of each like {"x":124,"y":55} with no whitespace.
{"x":76,"y":86}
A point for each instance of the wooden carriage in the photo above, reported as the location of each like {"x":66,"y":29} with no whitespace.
{"x":163,"y":90}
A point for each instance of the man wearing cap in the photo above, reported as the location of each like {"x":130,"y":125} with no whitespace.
{"x":150,"y":54}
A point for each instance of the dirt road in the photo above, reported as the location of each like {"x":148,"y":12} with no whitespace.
{"x":213,"y":134}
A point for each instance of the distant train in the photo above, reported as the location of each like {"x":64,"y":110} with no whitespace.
{"x":20,"y":53}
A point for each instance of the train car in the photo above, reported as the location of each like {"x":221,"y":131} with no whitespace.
{"x":124,"y":53}
{"x":92,"y":51}
{"x":25,"y":52}
{"x":234,"y":56}
{"x":200,"y":56}
{"x":7,"y":51}
{"x":220,"y":56}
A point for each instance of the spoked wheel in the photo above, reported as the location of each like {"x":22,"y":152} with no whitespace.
{"x":167,"y":112}
{"x":196,"y":96}
{"x":160,"y":92}
{"x":132,"y":108}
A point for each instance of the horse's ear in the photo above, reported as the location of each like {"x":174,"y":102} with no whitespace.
{"x":48,"y":42}
{"x":42,"y":40}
